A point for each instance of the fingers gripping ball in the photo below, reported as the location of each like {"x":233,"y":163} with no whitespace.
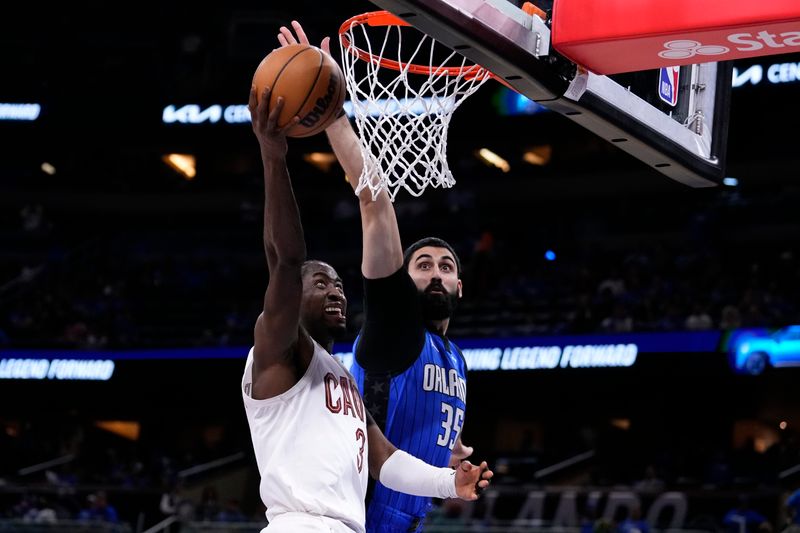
{"x":310,"y":82}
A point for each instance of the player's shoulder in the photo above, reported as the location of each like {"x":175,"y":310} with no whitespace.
{"x":327,"y":360}
{"x":455,"y":349}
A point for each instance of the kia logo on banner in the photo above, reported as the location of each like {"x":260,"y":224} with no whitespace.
{"x":642,"y":38}
{"x":776,"y":73}
{"x":753,"y":74}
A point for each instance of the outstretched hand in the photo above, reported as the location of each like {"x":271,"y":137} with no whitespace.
{"x":286,"y":37}
{"x":271,"y":136}
{"x":471,"y":480}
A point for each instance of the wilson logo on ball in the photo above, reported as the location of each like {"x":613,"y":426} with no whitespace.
{"x":322,"y":104}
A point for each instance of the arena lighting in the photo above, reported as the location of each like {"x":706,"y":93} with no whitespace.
{"x":550,"y":255}
{"x":621,"y":423}
{"x":239,"y":114}
{"x":783,"y":424}
{"x":510,"y":103}
{"x":57,"y":369}
{"x":550,"y":357}
{"x":540,"y":357}
{"x":47,"y":168}
{"x":195,"y":114}
{"x":730,"y":182}
{"x":567,"y":352}
{"x":184,"y":164}
{"x":322,"y":160}
{"x":491,"y":158}
{"x":24,"y":112}
{"x":127,"y":430}
{"x":776,"y":73}
{"x":645,"y":343}
{"x":538,"y":155}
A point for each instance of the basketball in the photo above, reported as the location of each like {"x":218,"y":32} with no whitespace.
{"x":310,"y":82}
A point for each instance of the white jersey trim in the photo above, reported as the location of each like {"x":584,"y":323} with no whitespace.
{"x":301,"y":384}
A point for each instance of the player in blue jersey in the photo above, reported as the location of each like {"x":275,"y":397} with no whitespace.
{"x":412,"y":377}
{"x":295,"y":392}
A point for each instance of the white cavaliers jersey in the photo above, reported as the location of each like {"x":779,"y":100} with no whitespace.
{"x":311,"y":445}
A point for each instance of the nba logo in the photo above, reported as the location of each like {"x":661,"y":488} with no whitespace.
{"x":668,"y":84}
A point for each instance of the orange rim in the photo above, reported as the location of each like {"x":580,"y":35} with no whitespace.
{"x":385,"y":18}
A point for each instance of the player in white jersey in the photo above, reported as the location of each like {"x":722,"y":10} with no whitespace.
{"x":325,"y":404}
{"x":314,"y":442}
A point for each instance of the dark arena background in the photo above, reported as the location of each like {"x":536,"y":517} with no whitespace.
{"x":630,"y":339}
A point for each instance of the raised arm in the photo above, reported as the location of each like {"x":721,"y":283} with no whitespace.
{"x":390,"y":297}
{"x":276,"y":331}
{"x":383,"y":251}
{"x":391,"y":304}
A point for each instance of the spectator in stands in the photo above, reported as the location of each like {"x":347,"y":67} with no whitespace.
{"x":33,"y":508}
{"x":583,"y":320}
{"x":33,"y":219}
{"x":42,"y":512}
{"x":632,"y":522}
{"x":590,"y":515}
{"x":698,"y":319}
{"x":744,"y":519}
{"x":614,"y":284}
{"x":176,"y":503}
{"x":619,"y":321}
{"x":650,"y":482}
{"x":231,"y":512}
{"x":209,"y":506}
{"x":730,"y":318}
{"x":99,"y":509}
{"x":793,"y":508}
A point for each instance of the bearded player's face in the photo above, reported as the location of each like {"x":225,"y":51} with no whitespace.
{"x":435,"y":274}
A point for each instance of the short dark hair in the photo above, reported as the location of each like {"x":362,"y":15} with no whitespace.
{"x":436,"y":242}
{"x":309,"y":264}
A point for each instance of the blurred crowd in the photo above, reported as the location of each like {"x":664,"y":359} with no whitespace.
{"x":708,"y":262}
{"x":102,"y":476}
{"x":191,"y":272}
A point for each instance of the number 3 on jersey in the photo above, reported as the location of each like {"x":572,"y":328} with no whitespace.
{"x":452,"y":425}
{"x":362,"y":438}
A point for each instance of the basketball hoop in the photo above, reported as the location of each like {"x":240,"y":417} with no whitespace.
{"x":403,"y":105}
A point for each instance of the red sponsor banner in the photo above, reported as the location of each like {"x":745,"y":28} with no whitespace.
{"x":613,"y":36}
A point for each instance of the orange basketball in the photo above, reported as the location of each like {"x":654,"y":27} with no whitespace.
{"x":310,"y":82}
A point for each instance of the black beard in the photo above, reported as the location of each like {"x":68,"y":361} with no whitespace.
{"x":438,"y":306}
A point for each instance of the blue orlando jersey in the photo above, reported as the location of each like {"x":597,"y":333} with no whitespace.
{"x":421,"y":411}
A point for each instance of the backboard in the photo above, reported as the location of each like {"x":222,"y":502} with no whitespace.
{"x":682,"y":133}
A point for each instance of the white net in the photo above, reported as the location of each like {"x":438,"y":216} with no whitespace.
{"x":402,"y":116}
